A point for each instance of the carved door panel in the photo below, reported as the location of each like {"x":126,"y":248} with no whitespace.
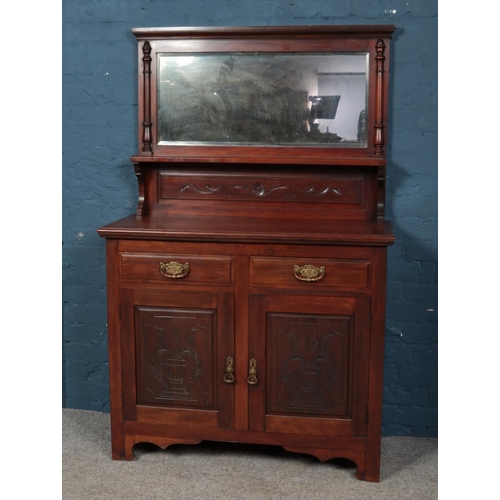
{"x":311,"y":358}
{"x":175,"y":345}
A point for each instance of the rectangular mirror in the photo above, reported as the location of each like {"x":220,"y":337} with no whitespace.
{"x":300,"y":99}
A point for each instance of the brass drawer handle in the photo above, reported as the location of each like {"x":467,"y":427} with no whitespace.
{"x":309,"y":273}
{"x":228,"y":376}
{"x":252,"y":372}
{"x":174,"y":270}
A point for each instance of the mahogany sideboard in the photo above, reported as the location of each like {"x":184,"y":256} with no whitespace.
{"x":246,"y":295}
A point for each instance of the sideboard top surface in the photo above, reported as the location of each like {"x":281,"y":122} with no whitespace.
{"x":251,"y":230}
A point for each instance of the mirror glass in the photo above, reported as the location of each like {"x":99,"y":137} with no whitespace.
{"x":305,"y":99}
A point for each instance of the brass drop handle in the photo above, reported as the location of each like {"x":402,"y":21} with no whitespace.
{"x":252,"y":372}
{"x":309,"y":273}
{"x":228,"y":376}
{"x":174,"y":270}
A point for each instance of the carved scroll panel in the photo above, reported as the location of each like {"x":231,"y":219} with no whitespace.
{"x":336,"y":189}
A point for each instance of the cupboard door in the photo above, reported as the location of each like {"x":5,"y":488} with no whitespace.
{"x":175,"y":346}
{"x":311,"y":356}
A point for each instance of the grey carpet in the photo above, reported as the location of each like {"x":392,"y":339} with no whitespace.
{"x":233,"y":471}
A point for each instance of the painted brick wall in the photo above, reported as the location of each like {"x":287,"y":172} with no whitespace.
{"x":99,"y":136}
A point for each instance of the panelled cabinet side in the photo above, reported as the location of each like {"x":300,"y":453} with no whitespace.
{"x":246,"y":295}
{"x":375,"y":386}
{"x":114,"y":349}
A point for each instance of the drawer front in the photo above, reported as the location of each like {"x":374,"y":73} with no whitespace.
{"x":310,"y":273}
{"x":172,"y":268}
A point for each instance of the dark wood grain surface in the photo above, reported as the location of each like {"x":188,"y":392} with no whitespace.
{"x":243,"y":229}
{"x":307,"y":356}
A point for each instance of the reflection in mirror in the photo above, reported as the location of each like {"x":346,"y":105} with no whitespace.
{"x":262,"y":99}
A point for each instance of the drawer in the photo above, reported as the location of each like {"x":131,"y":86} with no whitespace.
{"x":201,"y":269}
{"x":302,"y":272}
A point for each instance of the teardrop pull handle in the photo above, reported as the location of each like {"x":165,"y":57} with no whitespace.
{"x":228,"y":376}
{"x":252,"y":372}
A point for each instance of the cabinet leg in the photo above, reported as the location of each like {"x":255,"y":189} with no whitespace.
{"x":372,"y":473}
{"x":118,"y":454}
{"x":117,"y":444}
{"x":122,"y":448}
{"x":368,"y":468}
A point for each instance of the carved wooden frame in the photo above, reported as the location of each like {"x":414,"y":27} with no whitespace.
{"x":372,"y":39}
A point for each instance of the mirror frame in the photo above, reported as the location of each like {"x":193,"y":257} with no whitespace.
{"x":372,"y":39}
